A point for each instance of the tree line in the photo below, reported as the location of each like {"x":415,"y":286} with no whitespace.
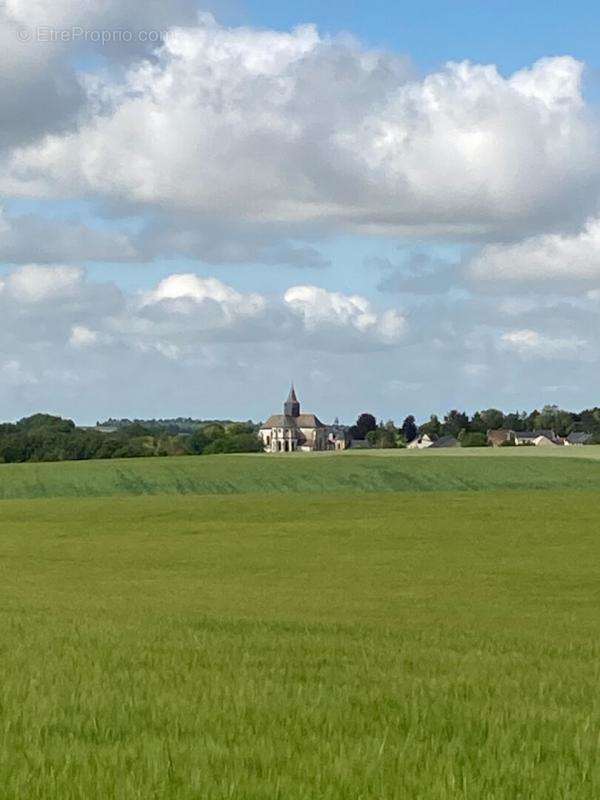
{"x":43,"y":437}
{"x":471,"y":430}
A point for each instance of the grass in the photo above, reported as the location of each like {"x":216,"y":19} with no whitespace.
{"x":376,"y":471}
{"x":296,"y":646}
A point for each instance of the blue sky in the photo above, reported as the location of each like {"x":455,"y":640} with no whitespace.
{"x":509,"y":34}
{"x":184,"y":230}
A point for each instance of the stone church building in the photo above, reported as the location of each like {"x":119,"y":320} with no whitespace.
{"x":284,"y":433}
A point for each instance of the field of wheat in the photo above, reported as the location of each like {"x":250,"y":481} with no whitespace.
{"x":337,"y":628}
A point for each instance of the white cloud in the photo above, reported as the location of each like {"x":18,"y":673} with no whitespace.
{"x":67,"y":342}
{"x":183,"y":292}
{"x":83,"y":337}
{"x":543,"y":257}
{"x":39,"y":92}
{"x":299,"y":130}
{"x":35,"y":284}
{"x":84,"y":21}
{"x":253,"y":146}
{"x":532,"y":344}
{"x":57,"y":310}
{"x":470,"y":147}
{"x":64,"y":14}
{"x":319,"y":309}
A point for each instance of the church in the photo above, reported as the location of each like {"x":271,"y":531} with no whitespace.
{"x":284,"y":433}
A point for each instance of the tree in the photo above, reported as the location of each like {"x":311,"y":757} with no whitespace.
{"x":491,"y":419}
{"x":364,"y":424}
{"x":474,"y":439}
{"x":46,"y":422}
{"x":433,"y":428}
{"x":198,"y":441}
{"x":236,"y":428}
{"x":236,"y":443}
{"x":530,"y":421}
{"x":477,"y":423}
{"x":387,"y":435}
{"x":589,"y":420}
{"x":516,"y":421}
{"x":372,"y":438}
{"x":455,"y":422}
{"x":409,"y":429}
{"x":555,"y":419}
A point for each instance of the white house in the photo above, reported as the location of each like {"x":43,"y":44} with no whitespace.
{"x":420,"y":443}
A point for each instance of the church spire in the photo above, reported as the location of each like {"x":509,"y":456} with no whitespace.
{"x":291,"y":407}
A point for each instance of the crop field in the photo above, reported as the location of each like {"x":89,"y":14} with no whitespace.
{"x":353,"y":627}
{"x":477,"y":469}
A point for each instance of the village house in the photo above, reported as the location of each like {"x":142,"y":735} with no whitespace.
{"x":338,"y":436}
{"x":541,"y":438}
{"x":578,"y":439}
{"x":425,"y":441}
{"x":445,"y":441}
{"x":500,"y":437}
{"x":420,"y":443}
{"x":537,"y":438}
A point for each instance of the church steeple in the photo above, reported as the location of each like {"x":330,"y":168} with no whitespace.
{"x":291,"y":407}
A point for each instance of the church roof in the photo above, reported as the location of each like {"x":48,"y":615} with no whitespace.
{"x":301,"y":421}
{"x":292,"y":395}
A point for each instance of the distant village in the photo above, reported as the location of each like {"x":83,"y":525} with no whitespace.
{"x":507,"y":438}
{"x":44,"y":437}
{"x":296,"y":430}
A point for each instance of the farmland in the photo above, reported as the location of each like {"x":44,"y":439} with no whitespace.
{"x":411,"y":626}
{"x":479,"y":469}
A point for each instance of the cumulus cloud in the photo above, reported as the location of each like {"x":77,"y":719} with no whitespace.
{"x":245,"y":124}
{"x":66,"y":337}
{"x":35,"y":284}
{"x":82,"y":21}
{"x":189,"y":294}
{"x":532,"y":344}
{"x":471,"y":148}
{"x":185,"y":310}
{"x":39,"y":92}
{"x":40,"y":304}
{"x":320,"y":309}
{"x":547,"y":257}
{"x":62,"y":14}
{"x":244,"y":146}
{"x":56,"y":307}
{"x":83,"y":337}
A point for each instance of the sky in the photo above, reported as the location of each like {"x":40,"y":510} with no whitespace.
{"x":394,"y":205}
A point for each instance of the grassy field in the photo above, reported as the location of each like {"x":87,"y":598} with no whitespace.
{"x":297,"y":645}
{"x":477,"y":469}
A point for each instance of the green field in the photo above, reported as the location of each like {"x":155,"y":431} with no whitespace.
{"x":376,"y":471}
{"x":254,"y":628}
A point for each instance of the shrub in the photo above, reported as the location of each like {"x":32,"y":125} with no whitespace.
{"x":474,"y":440}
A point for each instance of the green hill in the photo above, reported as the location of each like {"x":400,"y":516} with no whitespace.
{"x":348,"y":473}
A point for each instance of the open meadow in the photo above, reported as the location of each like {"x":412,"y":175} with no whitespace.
{"x":352,"y":627}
